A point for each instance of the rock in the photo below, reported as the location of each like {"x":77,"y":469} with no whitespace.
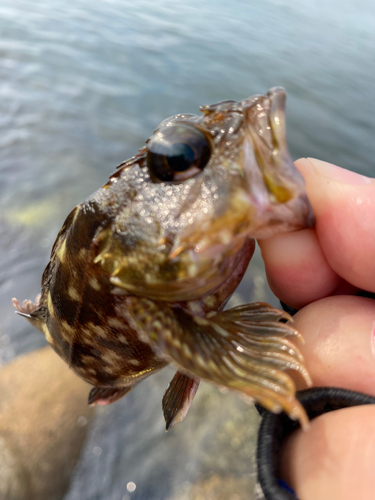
{"x":44,"y":419}
{"x":217,"y":487}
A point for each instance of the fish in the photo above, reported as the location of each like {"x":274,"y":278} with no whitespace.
{"x":141,"y":270}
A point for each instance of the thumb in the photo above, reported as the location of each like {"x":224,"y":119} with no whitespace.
{"x":344,"y":205}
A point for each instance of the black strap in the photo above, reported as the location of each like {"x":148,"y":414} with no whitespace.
{"x":290,"y":310}
{"x":275,"y":428}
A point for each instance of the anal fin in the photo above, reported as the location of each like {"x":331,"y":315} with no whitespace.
{"x":107,"y":395}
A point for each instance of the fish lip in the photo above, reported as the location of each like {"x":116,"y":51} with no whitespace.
{"x":276,"y":187}
{"x":277,"y":96}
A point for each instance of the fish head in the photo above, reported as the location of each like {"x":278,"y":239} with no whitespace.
{"x":181,"y":210}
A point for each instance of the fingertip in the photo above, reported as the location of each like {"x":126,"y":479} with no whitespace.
{"x":344,"y":206}
{"x":308,"y":166}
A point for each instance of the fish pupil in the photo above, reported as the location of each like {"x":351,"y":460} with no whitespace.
{"x":180,"y":157}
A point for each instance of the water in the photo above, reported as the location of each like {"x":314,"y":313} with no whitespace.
{"x":83,"y":85}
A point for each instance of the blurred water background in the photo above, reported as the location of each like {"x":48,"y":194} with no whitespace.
{"x":82,"y":85}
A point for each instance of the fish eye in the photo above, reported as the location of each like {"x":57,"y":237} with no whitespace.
{"x":177,"y":152}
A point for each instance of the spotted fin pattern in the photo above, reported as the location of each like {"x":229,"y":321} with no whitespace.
{"x":245,"y":348}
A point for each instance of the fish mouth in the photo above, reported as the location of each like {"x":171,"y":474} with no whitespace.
{"x":269,"y":192}
{"x":275,"y":187}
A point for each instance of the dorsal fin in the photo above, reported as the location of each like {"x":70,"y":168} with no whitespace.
{"x":33,"y":312}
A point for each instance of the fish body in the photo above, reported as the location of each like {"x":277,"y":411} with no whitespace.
{"x":141,"y":270}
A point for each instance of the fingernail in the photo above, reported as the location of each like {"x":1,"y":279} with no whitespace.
{"x":338,"y":174}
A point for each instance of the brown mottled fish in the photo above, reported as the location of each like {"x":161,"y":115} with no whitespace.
{"x":142,"y":269}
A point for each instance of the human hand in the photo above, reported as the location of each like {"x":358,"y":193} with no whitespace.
{"x":321,"y":270}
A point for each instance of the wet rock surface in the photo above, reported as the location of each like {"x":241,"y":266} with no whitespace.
{"x":44,"y":419}
{"x":217,"y":487}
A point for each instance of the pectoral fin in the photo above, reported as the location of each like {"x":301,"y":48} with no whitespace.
{"x":178,"y":397}
{"x":245,"y":348}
